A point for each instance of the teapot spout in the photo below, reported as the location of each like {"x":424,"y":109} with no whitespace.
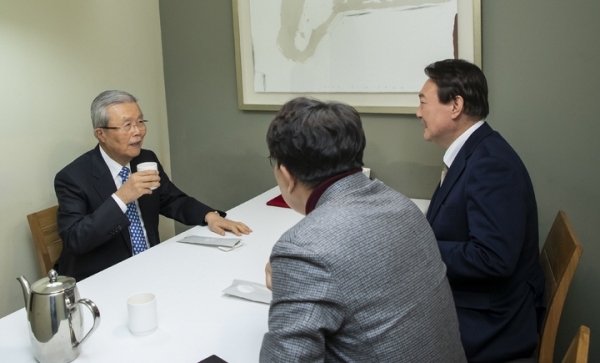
{"x":26,"y":290}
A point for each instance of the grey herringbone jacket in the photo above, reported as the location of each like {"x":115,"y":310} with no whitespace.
{"x":360,"y":279}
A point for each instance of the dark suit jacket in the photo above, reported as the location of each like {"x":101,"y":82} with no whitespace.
{"x":92,"y":226}
{"x":484,"y":217}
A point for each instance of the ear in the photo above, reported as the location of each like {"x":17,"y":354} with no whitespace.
{"x":458,"y":104}
{"x":99,"y":133}
{"x":289,"y":179}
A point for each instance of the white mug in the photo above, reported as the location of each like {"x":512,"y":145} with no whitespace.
{"x":149,"y":165}
{"x":142,"y":314}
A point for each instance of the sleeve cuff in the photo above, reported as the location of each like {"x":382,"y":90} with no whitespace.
{"x":120,"y":203}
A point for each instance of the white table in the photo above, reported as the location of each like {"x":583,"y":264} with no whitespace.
{"x":195,"y":319}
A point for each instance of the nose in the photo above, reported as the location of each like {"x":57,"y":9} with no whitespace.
{"x":419,"y":114}
{"x":135,"y":129}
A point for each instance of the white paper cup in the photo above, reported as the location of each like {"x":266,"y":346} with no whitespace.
{"x":142,"y":314}
{"x":150,"y":165}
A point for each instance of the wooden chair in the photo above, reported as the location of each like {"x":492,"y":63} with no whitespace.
{"x":578,"y":351}
{"x":48,"y":244}
{"x":559,"y":258}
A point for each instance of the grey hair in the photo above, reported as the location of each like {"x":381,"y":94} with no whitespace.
{"x":103,"y":100}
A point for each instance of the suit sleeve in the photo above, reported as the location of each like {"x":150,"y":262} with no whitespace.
{"x":177,"y":205}
{"x":495,"y":193}
{"x":80,"y":228}
{"x":305,"y":307}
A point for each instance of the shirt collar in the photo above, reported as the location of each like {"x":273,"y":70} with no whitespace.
{"x":113,"y":166}
{"x":316,"y":194}
{"x":459,"y":142}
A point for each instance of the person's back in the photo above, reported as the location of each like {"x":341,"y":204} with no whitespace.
{"x":366,"y":263}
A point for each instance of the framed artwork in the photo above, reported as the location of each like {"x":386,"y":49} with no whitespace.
{"x":369,"y":54}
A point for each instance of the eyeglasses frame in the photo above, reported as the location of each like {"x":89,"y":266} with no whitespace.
{"x":137,"y":124}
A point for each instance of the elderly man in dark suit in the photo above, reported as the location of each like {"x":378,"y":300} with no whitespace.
{"x":360,"y":278}
{"x":484,"y":216}
{"x":107,"y":210}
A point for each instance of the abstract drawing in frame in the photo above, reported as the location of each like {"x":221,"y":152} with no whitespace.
{"x":367,"y":53}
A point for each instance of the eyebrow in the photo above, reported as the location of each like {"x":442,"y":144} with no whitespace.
{"x":129,"y":119}
{"x":421,"y":95}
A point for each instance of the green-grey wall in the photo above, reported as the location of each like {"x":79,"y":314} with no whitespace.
{"x":540,"y":59}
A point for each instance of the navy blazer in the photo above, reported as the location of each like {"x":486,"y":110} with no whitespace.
{"x":484,"y":217}
{"x":92,"y":226}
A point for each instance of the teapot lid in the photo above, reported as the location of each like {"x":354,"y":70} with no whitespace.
{"x":53,"y":284}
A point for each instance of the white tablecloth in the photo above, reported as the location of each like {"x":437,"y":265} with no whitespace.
{"x":195,"y":319}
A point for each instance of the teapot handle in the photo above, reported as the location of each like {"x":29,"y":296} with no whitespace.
{"x":95,"y":313}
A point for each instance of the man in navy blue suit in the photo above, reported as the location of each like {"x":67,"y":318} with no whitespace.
{"x":484,"y":217}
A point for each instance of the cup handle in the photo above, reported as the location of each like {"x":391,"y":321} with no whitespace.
{"x":95,"y":313}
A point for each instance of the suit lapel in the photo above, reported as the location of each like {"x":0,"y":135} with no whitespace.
{"x":441,"y":192}
{"x":103,"y":180}
{"x":456,"y":170}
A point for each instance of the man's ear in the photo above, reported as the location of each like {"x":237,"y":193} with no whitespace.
{"x":99,"y":133}
{"x":290,"y":180}
{"x":458,"y":103}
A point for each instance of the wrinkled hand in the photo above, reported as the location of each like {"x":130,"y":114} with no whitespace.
{"x":268,"y":275}
{"x":219,"y":225}
{"x":137,"y":185}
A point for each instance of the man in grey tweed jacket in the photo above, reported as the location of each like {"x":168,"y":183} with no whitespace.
{"x":360,"y":279}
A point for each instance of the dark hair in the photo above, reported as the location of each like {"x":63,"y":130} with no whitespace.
{"x":316,"y":140}
{"x":457,"y":77}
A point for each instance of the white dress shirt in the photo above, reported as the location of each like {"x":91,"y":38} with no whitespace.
{"x":459,"y":142}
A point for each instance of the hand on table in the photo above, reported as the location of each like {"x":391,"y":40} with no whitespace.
{"x":137,"y":185}
{"x":219,"y":225}
{"x":268,"y":275}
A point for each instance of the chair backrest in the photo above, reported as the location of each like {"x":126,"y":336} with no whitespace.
{"x":559,"y":258}
{"x":578,"y":351}
{"x":48,"y":244}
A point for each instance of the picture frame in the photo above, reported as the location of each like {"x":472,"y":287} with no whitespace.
{"x":467,"y":45}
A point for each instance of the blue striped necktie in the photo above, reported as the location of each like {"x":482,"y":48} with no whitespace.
{"x":138,"y":241}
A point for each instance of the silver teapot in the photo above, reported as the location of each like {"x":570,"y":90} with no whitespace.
{"x":54,"y":316}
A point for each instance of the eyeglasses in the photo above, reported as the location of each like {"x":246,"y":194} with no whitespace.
{"x":128,"y":127}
